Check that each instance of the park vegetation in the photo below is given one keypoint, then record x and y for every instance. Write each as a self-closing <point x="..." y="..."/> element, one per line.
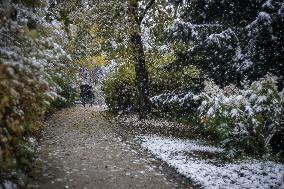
<point x="219" y="71"/>
<point x="215" y="65"/>
<point x="35" y="78"/>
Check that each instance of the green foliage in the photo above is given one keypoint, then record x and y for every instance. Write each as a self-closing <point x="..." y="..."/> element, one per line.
<point x="244" y="120"/>
<point x="178" y="80"/>
<point x="67" y="95"/>
<point x="120" y="86"/>
<point x="120" y="89"/>
<point x="244" y="41"/>
<point x="168" y="84"/>
<point x="29" y="81"/>
<point x="20" y="113"/>
<point x="162" y="80"/>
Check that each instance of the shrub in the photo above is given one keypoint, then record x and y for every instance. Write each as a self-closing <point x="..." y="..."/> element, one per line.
<point x="243" y="119"/>
<point x="174" y="104"/>
<point x="167" y="81"/>
<point x="120" y="89"/>
<point x="29" y="62"/>
<point x="66" y="95"/>
<point x="172" y="90"/>
<point x="120" y="86"/>
<point x="22" y="106"/>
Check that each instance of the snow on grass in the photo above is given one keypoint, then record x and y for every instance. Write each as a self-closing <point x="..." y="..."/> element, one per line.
<point x="181" y="145"/>
<point x="134" y="121"/>
<point x="242" y="174"/>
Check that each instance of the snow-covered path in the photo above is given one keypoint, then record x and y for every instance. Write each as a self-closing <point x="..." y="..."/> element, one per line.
<point x="80" y="149"/>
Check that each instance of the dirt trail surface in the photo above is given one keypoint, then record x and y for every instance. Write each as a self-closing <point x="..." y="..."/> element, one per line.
<point x="80" y="149"/>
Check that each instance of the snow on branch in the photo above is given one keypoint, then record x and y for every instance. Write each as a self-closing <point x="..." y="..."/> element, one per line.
<point x="148" y="6"/>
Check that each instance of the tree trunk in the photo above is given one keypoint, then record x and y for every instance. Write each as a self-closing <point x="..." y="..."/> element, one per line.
<point x="141" y="75"/>
<point x="142" y="78"/>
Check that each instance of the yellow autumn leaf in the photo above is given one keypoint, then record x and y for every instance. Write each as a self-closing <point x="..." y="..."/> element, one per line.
<point x="100" y="60"/>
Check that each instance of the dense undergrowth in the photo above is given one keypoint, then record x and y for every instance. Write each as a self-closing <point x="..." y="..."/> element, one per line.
<point x="218" y="71"/>
<point x="120" y="86"/>
<point x="246" y="121"/>
<point x="35" y="78"/>
<point x="223" y="77"/>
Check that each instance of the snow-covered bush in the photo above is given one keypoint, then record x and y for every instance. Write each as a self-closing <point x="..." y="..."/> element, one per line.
<point x="166" y="86"/>
<point x="31" y="62"/>
<point x="245" y="119"/>
<point x="171" y="90"/>
<point x="244" y="40"/>
<point x="180" y="106"/>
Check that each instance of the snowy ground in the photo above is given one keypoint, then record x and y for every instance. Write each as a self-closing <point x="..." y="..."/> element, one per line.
<point x="184" y="155"/>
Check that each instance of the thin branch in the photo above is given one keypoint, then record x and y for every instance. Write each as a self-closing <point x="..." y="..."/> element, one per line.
<point x="5" y="35"/>
<point x="10" y="38"/>
<point x="133" y="9"/>
<point x="149" y="5"/>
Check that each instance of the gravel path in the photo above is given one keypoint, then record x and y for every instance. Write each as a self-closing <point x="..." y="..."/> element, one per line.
<point x="80" y="149"/>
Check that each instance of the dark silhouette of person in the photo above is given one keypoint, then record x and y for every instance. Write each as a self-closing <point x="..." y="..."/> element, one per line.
<point x="86" y="94"/>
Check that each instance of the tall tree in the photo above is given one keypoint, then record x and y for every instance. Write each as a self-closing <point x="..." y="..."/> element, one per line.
<point x="138" y="54"/>
<point x="121" y="30"/>
<point x="244" y="39"/>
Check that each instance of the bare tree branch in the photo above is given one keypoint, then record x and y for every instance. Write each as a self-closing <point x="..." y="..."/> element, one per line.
<point x="148" y="6"/>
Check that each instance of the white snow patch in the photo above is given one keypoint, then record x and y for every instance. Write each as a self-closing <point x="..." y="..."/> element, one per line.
<point x="9" y="185"/>
<point x="242" y="174"/>
<point x="33" y="141"/>
<point x="268" y="4"/>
